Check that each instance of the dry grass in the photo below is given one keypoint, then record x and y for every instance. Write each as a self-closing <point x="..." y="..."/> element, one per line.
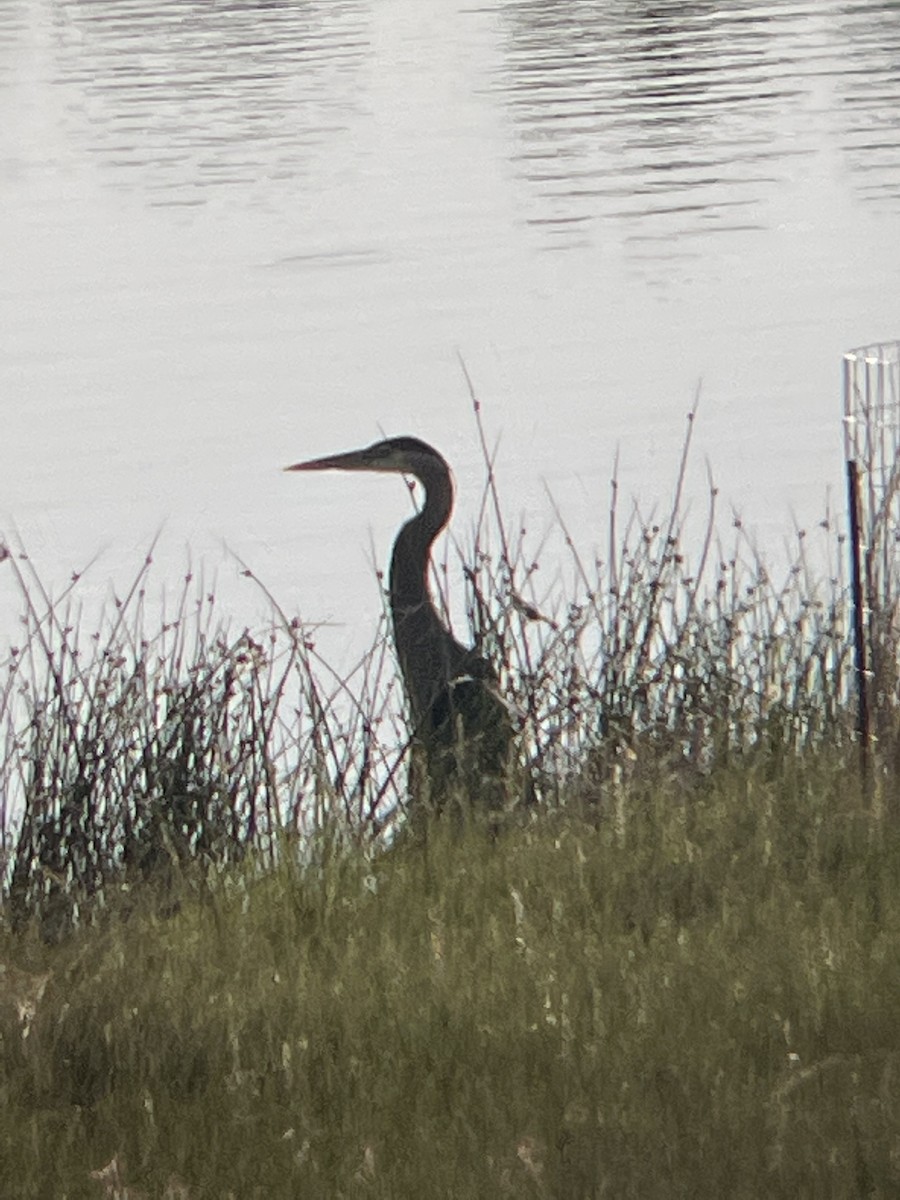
<point x="696" y="999"/>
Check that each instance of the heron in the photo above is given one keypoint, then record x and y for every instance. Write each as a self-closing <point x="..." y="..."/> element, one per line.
<point x="462" y="730"/>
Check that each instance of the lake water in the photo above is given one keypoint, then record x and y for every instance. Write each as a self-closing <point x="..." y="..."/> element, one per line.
<point x="238" y="234"/>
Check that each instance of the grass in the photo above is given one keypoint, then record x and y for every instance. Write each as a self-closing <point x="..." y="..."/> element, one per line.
<point x="700" y="1000"/>
<point x="228" y="969"/>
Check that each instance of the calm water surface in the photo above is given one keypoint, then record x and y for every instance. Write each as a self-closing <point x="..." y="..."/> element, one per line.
<point x="238" y="234"/>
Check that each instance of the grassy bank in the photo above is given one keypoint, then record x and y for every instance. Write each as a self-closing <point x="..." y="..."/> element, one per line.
<point x="695" y="997"/>
<point x="228" y="969"/>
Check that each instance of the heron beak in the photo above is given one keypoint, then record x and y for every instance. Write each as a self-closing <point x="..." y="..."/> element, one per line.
<point x="371" y="459"/>
<point x="353" y="461"/>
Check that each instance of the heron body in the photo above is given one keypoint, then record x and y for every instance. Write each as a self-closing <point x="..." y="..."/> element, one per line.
<point x="461" y="727"/>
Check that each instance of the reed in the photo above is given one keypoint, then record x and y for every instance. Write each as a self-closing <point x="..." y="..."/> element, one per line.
<point x="129" y="753"/>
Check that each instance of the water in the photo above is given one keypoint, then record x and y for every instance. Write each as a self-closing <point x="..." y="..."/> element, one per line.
<point x="235" y="235"/>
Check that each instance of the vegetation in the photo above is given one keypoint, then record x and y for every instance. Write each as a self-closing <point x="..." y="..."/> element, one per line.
<point x="227" y="969"/>
<point x="700" y="1000"/>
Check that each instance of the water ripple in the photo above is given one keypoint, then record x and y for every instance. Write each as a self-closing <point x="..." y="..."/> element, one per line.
<point x="204" y="95"/>
<point x="694" y="99"/>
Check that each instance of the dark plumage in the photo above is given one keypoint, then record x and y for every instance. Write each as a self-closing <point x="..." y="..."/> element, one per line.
<point x="461" y="726"/>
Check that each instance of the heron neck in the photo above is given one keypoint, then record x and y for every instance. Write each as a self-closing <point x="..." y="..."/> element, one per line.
<point x="409" y="561"/>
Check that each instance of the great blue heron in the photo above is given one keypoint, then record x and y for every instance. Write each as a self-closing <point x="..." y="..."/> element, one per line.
<point x="459" y="721"/>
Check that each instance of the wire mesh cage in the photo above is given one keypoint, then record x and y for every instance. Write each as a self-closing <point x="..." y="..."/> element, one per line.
<point x="872" y="454"/>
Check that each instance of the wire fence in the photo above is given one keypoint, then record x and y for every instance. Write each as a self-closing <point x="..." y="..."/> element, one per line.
<point x="872" y="455"/>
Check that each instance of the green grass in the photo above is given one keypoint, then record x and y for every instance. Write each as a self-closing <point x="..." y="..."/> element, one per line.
<point x="691" y="991"/>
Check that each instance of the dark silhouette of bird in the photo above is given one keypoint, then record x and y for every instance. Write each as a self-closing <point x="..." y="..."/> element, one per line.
<point x="462" y="731"/>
